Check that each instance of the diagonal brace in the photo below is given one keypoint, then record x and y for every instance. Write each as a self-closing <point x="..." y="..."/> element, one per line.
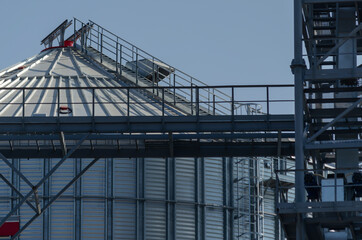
<point x="37" y="203"/>
<point x="339" y="117"/>
<point x="44" y="179"/>
<point x="56" y="197"/>
<point x="16" y="191"/>
<point x="16" y="170"/>
<point x="350" y="35"/>
<point x="63" y="144"/>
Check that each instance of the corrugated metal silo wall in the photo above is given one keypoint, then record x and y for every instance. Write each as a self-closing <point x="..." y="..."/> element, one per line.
<point x="152" y="198"/>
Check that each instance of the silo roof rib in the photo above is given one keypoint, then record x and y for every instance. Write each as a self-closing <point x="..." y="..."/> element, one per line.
<point x="76" y="65"/>
<point x="51" y="67"/>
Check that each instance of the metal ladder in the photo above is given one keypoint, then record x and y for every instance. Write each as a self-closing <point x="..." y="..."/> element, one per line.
<point x="249" y="199"/>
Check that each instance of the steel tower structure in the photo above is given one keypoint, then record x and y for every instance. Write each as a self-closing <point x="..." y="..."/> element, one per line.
<point x="327" y="122"/>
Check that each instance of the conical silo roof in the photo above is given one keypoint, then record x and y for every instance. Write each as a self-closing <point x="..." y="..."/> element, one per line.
<point x="81" y="79"/>
<point x="73" y="75"/>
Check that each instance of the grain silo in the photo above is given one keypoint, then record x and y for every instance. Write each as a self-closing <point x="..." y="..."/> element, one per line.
<point x="101" y="140"/>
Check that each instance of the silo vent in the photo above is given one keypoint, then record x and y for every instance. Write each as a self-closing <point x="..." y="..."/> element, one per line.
<point x="65" y="110"/>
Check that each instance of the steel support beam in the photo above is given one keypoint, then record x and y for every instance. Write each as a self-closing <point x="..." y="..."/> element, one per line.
<point x="307" y="207"/>
<point x="63" y="144"/>
<point x="109" y="192"/>
<point x="145" y="124"/>
<point x="42" y="181"/>
<point x="171" y="198"/>
<point x="298" y="67"/>
<point x="336" y="144"/>
<point x="340" y="43"/>
<point x="161" y="149"/>
<point x="55" y="197"/>
<point x="21" y="175"/>
<point x="156" y="136"/>
<point x="339" y="117"/>
<point x="331" y="75"/>
<point x="78" y="202"/>
<point x="17" y="192"/>
<point x="140" y="203"/>
<point x="46" y="195"/>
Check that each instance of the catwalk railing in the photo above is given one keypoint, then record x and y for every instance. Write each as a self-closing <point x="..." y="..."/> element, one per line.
<point x="323" y="187"/>
<point x="58" y="101"/>
<point x="121" y="56"/>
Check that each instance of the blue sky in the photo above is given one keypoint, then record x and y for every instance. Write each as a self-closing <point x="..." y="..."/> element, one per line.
<point x="219" y="42"/>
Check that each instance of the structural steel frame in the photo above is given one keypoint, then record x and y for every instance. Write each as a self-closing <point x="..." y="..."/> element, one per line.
<point x="316" y="128"/>
<point x="205" y="130"/>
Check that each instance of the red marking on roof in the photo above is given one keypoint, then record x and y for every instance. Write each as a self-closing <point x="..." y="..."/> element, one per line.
<point x="66" y="44"/>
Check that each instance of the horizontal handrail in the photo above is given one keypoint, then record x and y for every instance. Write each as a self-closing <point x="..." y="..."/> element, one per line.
<point x="134" y="51"/>
<point x="124" y="98"/>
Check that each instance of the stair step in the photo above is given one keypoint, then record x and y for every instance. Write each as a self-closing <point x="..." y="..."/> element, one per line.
<point x="328" y="63"/>
<point x="325" y="45"/>
<point x="324" y="36"/>
<point x="332" y="100"/>
<point x="324" y="10"/>
<point x="324" y="27"/>
<point x="334" y="112"/>
<point x="324" y="19"/>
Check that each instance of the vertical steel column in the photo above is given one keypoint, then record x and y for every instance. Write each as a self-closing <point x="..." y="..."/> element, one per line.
<point x="170" y="193"/>
<point x="226" y="198"/>
<point x="203" y="198"/>
<point x="78" y="203"/>
<point x="231" y="196"/>
<point x="109" y="192"/>
<point x="15" y="181"/>
<point x="140" y="191"/>
<point x="200" y="199"/>
<point x="46" y="195"/>
<point x="298" y="70"/>
<point x="197" y="199"/>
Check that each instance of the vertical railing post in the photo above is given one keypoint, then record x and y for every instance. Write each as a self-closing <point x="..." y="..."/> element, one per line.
<point x="267" y="101"/>
<point x="213" y="102"/>
<point x="93" y="103"/>
<point x="117" y="57"/>
<point x="98" y="39"/>
<point x="120" y="59"/>
<point x="192" y="100"/>
<point x="232" y="101"/>
<point x="174" y="89"/>
<point x="101" y="50"/>
<point x="58" y="103"/>
<point x="127" y="102"/>
<point x="136" y="66"/>
<point x="197" y="101"/>
<point x="153" y="75"/>
<point x="163" y="101"/>
<point x="208" y="100"/>
<point x="23" y="102"/>
<point x="75" y="30"/>
<point x="157" y="78"/>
